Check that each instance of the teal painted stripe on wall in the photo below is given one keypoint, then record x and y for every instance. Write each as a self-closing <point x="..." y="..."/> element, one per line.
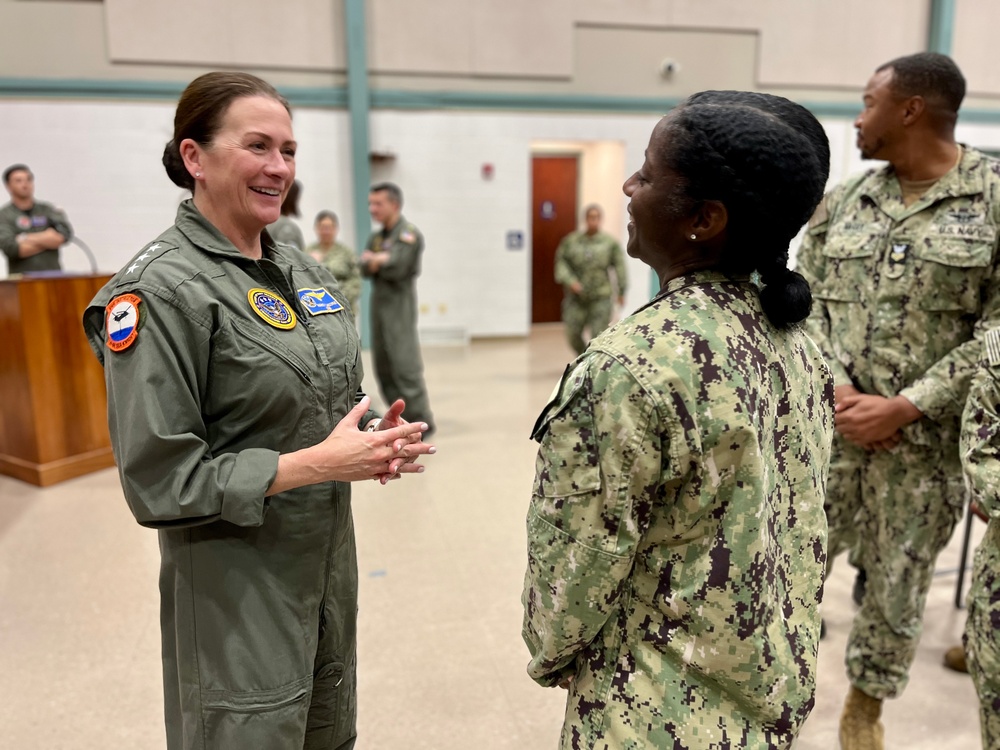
<point x="72" y="88"/>
<point x="941" y="29"/>
<point x="336" y="98"/>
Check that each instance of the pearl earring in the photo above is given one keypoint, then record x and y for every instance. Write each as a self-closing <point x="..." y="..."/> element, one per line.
<point x="694" y="236"/>
<point x="198" y="174"/>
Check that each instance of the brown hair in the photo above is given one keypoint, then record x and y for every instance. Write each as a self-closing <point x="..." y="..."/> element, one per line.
<point x="200" y="111"/>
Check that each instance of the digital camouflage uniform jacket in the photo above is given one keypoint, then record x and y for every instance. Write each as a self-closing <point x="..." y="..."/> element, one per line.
<point x="342" y="262"/>
<point x="676" y="530"/>
<point x="587" y="259"/>
<point x="901" y="292"/>
<point x="981" y="460"/>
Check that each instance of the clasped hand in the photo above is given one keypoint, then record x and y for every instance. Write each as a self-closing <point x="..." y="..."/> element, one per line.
<point x="870" y="421"/>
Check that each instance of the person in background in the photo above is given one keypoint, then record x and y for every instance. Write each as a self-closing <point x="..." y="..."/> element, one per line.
<point x="238" y="421"/>
<point x="903" y="264"/>
<point x="285" y="230"/>
<point x="338" y="258"/>
<point x="676" y="529"/>
<point x="391" y="259"/>
<point x="31" y="232"/>
<point x="583" y="265"/>
<point x="980" y="450"/>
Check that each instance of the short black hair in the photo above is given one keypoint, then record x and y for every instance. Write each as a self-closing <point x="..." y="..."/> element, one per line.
<point x="395" y="194"/>
<point x="14" y="168"/>
<point x="324" y="214"/>
<point x="766" y="159"/>
<point x="931" y="75"/>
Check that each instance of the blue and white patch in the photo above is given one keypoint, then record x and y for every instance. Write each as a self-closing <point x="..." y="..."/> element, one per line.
<point x="319" y="301"/>
<point x="39" y="221"/>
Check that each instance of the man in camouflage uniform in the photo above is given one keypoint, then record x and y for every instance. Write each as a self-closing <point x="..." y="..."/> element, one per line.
<point x="981" y="459"/>
<point x="675" y="539"/>
<point x="391" y="259"/>
<point x="31" y="232"/>
<point x="902" y="261"/>
<point x="583" y="262"/>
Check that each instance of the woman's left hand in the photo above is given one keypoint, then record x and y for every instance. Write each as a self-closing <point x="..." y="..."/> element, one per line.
<point x="394" y="418"/>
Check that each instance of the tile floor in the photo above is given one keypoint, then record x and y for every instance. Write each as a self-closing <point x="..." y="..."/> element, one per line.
<point x="441" y="559"/>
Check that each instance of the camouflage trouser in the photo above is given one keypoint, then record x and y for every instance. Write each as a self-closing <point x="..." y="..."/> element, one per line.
<point x="982" y="642"/>
<point x="911" y="499"/>
<point x="579" y="314"/>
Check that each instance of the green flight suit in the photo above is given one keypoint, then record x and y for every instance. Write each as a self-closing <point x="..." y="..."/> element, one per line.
<point x="41" y="216"/>
<point x="588" y="259"/>
<point x="395" y="344"/>
<point x="258" y="595"/>
<point x="676" y="529"/>
<point x="287" y="232"/>
<point x="342" y="262"/>
<point x="980" y="448"/>
<point x="902" y="296"/>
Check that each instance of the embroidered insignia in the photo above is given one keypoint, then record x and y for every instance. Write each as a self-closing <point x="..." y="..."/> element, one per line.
<point x="137" y="261"/>
<point x="319" y="301"/>
<point x="897" y="260"/>
<point x="408" y="236"/>
<point x="39" y="221"/>
<point x="24" y="222"/>
<point x="271" y="308"/>
<point x="992" y="346"/>
<point x="121" y="322"/>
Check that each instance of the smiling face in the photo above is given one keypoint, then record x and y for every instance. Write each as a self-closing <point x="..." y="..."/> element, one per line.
<point x="246" y="170"/>
<point x="881" y="118"/>
<point x="657" y="203"/>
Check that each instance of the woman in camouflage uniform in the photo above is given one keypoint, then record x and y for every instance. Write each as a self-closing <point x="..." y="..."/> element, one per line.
<point x="676" y="530"/>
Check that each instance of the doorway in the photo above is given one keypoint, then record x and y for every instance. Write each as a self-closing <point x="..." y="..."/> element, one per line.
<point x="553" y="216"/>
<point x="565" y="177"/>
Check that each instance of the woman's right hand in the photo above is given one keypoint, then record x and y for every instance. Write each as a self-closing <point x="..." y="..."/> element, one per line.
<point x="349" y="454"/>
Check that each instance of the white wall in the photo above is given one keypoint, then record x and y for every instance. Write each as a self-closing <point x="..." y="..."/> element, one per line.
<point x="101" y="162"/>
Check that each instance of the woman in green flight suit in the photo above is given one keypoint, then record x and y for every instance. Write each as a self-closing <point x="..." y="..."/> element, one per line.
<point x="237" y="420"/>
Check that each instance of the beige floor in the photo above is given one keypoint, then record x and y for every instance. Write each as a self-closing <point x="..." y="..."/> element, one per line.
<point x="441" y="560"/>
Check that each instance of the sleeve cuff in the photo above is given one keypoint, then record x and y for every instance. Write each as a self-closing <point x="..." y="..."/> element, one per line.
<point x="930" y="401"/>
<point x="243" y="501"/>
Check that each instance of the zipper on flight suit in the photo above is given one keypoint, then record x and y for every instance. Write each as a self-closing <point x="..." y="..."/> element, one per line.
<point x="293" y="298"/>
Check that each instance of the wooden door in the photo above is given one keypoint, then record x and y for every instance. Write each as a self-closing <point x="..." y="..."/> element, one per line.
<point x="553" y="216"/>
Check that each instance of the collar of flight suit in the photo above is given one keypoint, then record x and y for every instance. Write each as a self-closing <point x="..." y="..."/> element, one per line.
<point x="204" y="235"/>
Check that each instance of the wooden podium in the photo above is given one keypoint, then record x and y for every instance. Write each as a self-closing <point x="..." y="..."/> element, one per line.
<point x="53" y="405"/>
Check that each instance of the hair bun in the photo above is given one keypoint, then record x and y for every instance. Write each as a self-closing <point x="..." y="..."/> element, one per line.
<point x="174" y="165"/>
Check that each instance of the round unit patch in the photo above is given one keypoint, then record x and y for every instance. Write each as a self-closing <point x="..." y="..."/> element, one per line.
<point x="121" y="322"/>
<point x="271" y="308"/>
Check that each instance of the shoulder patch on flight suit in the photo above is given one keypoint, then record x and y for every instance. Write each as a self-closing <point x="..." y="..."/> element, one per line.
<point x="991" y="346"/>
<point x="121" y="322"/>
<point x="408" y="235"/>
<point x="272" y="308"/>
<point x="319" y="301"/>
